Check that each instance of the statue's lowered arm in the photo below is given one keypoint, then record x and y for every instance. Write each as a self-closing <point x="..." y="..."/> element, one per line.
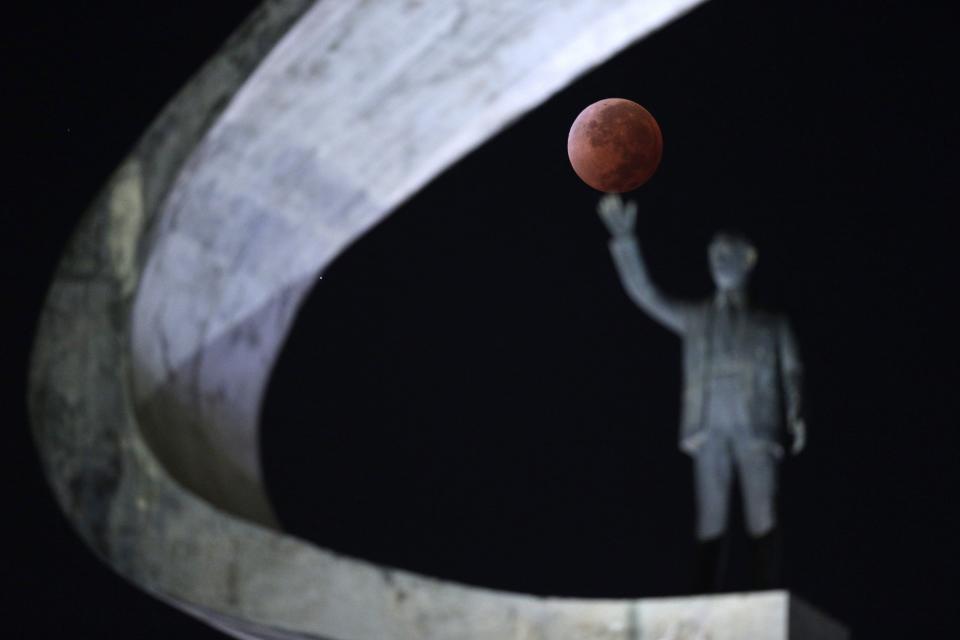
<point x="791" y="374"/>
<point x="620" y="218"/>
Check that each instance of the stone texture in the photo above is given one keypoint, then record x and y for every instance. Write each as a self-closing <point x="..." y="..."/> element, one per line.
<point x="178" y="287"/>
<point x="769" y="615"/>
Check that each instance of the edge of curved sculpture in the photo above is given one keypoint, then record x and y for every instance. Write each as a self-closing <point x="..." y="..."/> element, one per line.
<point x="216" y="557"/>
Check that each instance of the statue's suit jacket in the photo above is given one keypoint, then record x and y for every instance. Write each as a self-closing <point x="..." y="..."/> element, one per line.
<point x="766" y="351"/>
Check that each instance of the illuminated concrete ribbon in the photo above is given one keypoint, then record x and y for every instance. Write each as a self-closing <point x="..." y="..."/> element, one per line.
<point x="176" y="292"/>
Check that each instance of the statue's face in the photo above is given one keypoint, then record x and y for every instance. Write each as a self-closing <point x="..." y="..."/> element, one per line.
<point x="731" y="261"/>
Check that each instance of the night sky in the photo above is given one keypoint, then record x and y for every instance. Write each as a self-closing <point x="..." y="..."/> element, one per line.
<point x="468" y="392"/>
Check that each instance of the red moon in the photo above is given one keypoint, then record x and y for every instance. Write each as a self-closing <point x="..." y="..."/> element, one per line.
<point x="615" y="145"/>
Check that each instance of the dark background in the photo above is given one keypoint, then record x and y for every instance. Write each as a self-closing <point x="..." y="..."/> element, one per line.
<point x="468" y="393"/>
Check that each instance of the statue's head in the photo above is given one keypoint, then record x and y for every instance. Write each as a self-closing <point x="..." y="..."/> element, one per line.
<point x="732" y="258"/>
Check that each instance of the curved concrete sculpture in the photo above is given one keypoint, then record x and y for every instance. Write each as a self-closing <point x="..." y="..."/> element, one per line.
<point x="174" y="296"/>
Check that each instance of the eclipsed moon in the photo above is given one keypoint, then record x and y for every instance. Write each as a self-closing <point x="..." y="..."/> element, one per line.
<point x="615" y="145"/>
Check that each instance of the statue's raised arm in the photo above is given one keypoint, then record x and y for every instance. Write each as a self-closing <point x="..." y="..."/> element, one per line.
<point x="620" y="217"/>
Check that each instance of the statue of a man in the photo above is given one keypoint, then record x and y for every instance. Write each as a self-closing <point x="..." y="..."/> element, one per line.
<point x="741" y="389"/>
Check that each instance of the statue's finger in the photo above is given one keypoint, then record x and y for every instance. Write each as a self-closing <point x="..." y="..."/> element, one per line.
<point x="604" y="206"/>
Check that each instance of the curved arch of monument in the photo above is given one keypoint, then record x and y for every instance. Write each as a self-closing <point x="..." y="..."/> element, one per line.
<point x="313" y="123"/>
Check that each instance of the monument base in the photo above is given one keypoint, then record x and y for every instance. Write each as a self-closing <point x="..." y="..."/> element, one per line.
<point x="764" y="615"/>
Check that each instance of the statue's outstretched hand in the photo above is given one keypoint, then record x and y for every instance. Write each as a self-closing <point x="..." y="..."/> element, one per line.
<point x="617" y="215"/>
<point x="798" y="429"/>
